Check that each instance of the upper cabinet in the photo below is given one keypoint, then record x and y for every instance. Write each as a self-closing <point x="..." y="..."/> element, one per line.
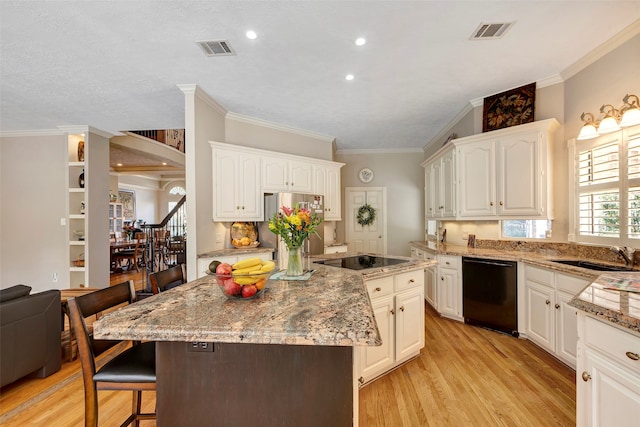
<point x="326" y="181"/>
<point x="506" y="173"/>
<point x="280" y="174"/>
<point x="500" y="174"/>
<point x="242" y="175"/>
<point x="440" y="185"/>
<point x="236" y="186"/>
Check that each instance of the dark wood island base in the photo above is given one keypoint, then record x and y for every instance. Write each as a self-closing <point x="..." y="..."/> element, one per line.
<point x="254" y="384"/>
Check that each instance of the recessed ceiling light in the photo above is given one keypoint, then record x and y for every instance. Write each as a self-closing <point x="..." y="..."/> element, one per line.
<point x="252" y="35"/>
<point x="164" y="163"/>
<point x="349" y="77"/>
<point x="119" y="164"/>
<point x="360" y="41"/>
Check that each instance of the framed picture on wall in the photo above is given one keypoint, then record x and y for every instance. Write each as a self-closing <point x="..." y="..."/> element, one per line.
<point x="511" y="108"/>
<point x="128" y="200"/>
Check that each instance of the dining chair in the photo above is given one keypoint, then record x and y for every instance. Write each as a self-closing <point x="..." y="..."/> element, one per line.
<point x="167" y="279"/>
<point x="132" y="369"/>
<point x="133" y="256"/>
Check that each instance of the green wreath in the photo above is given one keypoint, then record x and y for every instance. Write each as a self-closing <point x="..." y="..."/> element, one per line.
<point x="366" y="215"/>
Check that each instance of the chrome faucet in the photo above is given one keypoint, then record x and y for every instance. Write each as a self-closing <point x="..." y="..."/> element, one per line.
<point x="623" y="253"/>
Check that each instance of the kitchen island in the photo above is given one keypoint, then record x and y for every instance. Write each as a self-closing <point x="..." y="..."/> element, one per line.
<point x="285" y="358"/>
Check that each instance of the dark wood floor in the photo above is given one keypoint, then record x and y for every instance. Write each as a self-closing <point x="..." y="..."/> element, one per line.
<point x="465" y="376"/>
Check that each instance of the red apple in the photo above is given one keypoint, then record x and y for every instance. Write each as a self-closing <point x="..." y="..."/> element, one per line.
<point x="231" y="287"/>
<point x="224" y="268"/>
<point x="249" y="291"/>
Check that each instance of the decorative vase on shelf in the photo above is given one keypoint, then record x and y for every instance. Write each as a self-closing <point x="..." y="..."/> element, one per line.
<point x="294" y="264"/>
<point x="81" y="151"/>
<point x="81" y="179"/>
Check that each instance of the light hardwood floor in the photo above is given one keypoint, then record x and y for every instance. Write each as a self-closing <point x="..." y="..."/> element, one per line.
<point x="465" y="376"/>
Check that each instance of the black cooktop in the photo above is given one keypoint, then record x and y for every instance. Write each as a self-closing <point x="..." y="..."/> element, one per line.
<point x="361" y="262"/>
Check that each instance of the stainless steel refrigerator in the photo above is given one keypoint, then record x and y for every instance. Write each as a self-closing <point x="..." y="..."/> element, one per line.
<point x="314" y="245"/>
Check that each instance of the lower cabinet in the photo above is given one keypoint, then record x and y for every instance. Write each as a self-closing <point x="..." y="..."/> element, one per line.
<point x="449" y="286"/>
<point x="398" y="305"/>
<point x="607" y="375"/>
<point x="203" y="263"/>
<point x="430" y="275"/>
<point x="550" y="321"/>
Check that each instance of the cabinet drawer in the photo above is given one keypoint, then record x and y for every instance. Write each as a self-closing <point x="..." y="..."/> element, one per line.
<point x="539" y="275"/>
<point x="613" y="342"/>
<point x="409" y="280"/>
<point x="448" y="261"/>
<point x="570" y="284"/>
<point x="380" y="287"/>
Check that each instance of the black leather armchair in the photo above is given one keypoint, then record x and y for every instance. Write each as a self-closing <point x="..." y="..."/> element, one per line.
<point x="30" y="328"/>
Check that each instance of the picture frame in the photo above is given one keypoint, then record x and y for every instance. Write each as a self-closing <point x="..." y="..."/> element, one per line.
<point x="511" y="108"/>
<point x="128" y="200"/>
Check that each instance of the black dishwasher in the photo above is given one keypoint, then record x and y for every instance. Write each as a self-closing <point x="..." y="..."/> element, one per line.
<point x="490" y="294"/>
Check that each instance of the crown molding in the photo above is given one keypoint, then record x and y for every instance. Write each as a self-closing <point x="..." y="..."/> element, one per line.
<point x="193" y="89"/>
<point x="600" y="51"/>
<point x="447" y="129"/>
<point x="380" y="151"/>
<point x="284" y="128"/>
<point x="26" y="133"/>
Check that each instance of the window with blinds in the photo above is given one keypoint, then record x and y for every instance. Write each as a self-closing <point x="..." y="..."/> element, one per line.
<point x="608" y="186"/>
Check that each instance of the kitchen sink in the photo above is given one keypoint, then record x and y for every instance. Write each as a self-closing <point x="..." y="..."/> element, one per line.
<point x="592" y="265"/>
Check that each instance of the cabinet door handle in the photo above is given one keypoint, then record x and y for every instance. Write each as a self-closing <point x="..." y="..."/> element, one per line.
<point x="557" y="306"/>
<point x="237" y="207"/>
<point x="547" y="302"/>
<point x="632" y="356"/>
<point x="402" y="308"/>
<point x="501" y="204"/>
<point x="378" y="289"/>
<point x="585" y="377"/>
<point x="490" y="203"/>
<point x="411" y="281"/>
<point x="442" y="278"/>
<point x="447" y="262"/>
<point x="292" y="184"/>
<point x="392" y="312"/>
<point x="286" y="183"/>
<point x="361" y="380"/>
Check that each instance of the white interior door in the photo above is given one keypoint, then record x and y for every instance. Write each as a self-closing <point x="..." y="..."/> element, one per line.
<point x="369" y="238"/>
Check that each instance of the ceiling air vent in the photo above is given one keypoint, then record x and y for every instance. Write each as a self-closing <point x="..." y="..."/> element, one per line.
<point x="491" y="31"/>
<point x="216" y="48"/>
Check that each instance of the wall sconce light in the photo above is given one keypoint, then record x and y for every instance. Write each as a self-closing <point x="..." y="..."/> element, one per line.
<point x="589" y="130"/>
<point x="627" y="115"/>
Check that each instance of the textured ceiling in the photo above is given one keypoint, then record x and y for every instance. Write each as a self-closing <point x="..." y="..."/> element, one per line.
<point x="115" y="65"/>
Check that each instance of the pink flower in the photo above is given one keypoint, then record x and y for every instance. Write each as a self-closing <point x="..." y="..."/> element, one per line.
<point x="287" y="211"/>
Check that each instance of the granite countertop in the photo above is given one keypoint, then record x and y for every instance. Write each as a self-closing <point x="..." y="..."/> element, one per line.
<point x="332" y="308"/>
<point x="234" y="251"/>
<point x="617" y="306"/>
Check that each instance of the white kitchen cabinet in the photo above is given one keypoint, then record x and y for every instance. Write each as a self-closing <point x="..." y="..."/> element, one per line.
<point x="506" y="173"/>
<point x="398" y="304"/>
<point x="440" y="194"/>
<point x="203" y="262"/>
<point x="430" y="275"/>
<point x="607" y="375"/>
<point x="335" y="249"/>
<point x="282" y="174"/>
<point x="326" y="181"/>
<point x="449" y="286"/>
<point x="236" y="186"/>
<point x="550" y="321"/>
<point x="477" y="179"/>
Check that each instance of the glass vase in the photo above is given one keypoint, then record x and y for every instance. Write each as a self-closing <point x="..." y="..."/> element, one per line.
<point x="294" y="265"/>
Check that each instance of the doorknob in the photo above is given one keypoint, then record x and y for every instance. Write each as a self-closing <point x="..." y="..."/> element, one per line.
<point x="379" y="237"/>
